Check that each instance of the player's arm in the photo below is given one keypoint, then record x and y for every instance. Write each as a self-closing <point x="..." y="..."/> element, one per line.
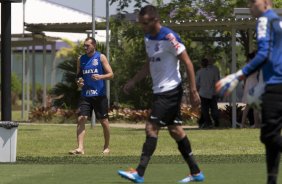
<point x="79" y="79"/>
<point x="141" y="74"/>
<point x="107" y="68"/>
<point x="194" y="96"/>
<point x="226" y="85"/>
<point x="144" y="72"/>
<point x="78" y="70"/>
<point x="263" y="40"/>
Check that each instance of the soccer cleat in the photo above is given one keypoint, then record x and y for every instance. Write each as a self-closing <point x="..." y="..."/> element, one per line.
<point x="131" y="175"/>
<point x="193" y="178"/>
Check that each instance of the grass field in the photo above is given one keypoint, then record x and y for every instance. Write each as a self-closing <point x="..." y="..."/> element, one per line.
<point x="240" y="173"/>
<point x="227" y="156"/>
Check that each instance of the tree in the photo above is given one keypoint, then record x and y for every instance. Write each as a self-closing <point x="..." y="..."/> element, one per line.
<point x="128" y="56"/>
<point x="122" y="4"/>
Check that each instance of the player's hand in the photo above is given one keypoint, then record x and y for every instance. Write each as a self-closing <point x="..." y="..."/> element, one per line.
<point x="80" y="82"/>
<point x="96" y="77"/>
<point x="195" y="99"/>
<point x="128" y="86"/>
<point x="226" y="85"/>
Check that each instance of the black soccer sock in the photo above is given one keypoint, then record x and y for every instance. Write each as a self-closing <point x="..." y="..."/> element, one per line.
<point x="272" y="160"/>
<point x="184" y="147"/>
<point x="147" y="151"/>
<point x="278" y="142"/>
<point x="272" y="179"/>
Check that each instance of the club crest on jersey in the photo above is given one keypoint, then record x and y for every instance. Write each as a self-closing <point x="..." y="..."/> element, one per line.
<point x="157" y="47"/>
<point x="95" y="62"/>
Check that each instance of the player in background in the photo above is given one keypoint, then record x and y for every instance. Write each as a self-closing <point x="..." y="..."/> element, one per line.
<point x="92" y="70"/>
<point x="164" y="50"/>
<point x="269" y="60"/>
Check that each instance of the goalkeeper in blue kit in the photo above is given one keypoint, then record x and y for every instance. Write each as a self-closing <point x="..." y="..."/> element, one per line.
<point x="269" y="60"/>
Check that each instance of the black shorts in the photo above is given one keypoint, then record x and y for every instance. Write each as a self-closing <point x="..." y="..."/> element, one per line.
<point x="97" y="103"/>
<point x="271" y="114"/>
<point x="166" y="107"/>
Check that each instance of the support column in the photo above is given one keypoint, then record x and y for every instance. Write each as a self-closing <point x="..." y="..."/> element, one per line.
<point x="233" y="70"/>
<point x="6" y="100"/>
<point x="23" y="84"/>
<point x="107" y="44"/>
<point x="93" y="119"/>
<point x="44" y="74"/>
<point x="54" y="64"/>
<point x="33" y="91"/>
<point x="27" y="81"/>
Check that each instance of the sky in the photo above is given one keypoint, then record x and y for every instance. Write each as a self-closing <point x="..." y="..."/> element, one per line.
<point x="100" y="6"/>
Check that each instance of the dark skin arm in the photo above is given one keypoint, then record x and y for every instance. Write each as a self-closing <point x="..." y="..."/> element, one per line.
<point x="80" y="81"/>
<point x="141" y="74"/>
<point x="194" y="96"/>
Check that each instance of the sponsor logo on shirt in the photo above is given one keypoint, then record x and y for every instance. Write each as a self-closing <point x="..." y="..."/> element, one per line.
<point x="92" y="92"/>
<point x="153" y="59"/>
<point x="262" y="27"/>
<point x="90" y="71"/>
<point x="173" y="40"/>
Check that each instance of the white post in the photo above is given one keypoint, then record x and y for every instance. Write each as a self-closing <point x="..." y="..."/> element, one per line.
<point x="54" y="64"/>
<point x="44" y="74"/>
<point x="233" y="70"/>
<point x="23" y="83"/>
<point x="107" y="44"/>
<point x="93" y="119"/>
<point x="93" y="18"/>
<point x="27" y="82"/>
<point x="33" y="90"/>
<point x="23" y="66"/>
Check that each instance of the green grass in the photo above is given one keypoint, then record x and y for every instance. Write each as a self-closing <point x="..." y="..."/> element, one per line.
<point x="229" y="156"/>
<point x="241" y="173"/>
<point x="57" y="140"/>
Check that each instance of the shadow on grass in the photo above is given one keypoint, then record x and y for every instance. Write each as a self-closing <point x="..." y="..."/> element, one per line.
<point x="167" y="159"/>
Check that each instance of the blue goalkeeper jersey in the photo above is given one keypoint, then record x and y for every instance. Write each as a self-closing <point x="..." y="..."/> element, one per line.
<point x="90" y="66"/>
<point x="269" y="54"/>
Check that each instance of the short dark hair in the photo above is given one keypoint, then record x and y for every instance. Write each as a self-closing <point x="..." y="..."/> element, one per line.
<point x="92" y="40"/>
<point x="149" y="10"/>
<point x="204" y="62"/>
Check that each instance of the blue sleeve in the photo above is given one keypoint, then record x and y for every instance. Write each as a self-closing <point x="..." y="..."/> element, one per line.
<point x="263" y="41"/>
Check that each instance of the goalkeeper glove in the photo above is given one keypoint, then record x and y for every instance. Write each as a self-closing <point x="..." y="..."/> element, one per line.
<point x="226" y="85"/>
